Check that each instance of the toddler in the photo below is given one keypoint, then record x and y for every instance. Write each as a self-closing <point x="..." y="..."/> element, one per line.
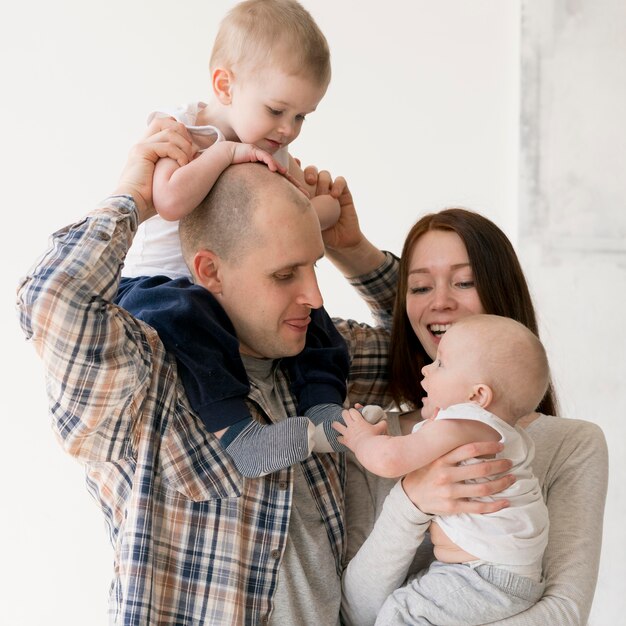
<point x="270" y="67"/>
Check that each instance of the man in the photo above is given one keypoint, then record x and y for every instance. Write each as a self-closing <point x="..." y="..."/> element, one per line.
<point x="195" y="542"/>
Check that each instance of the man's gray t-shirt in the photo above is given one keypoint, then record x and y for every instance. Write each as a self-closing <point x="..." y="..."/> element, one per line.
<point x="309" y="589"/>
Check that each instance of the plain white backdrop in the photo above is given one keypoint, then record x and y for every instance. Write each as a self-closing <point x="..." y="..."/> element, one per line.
<point x="422" y="113"/>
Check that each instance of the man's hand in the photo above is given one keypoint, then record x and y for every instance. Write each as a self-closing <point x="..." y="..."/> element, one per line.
<point x="322" y="183"/>
<point x="440" y="488"/>
<point x="165" y="137"/>
<point x="345" y="233"/>
<point x="346" y="246"/>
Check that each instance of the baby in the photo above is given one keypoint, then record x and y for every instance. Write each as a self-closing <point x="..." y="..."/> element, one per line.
<point x="490" y="371"/>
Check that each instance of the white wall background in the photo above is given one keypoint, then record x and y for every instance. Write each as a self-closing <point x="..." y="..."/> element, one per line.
<point x="572" y="219"/>
<point x="434" y="83"/>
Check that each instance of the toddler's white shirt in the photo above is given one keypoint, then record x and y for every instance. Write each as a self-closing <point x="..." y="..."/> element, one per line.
<point x="156" y="246"/>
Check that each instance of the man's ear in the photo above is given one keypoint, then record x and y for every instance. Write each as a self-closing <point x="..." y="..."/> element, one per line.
<point x="206" y="265"/>
<point x="482" y="394"/>
<point x="222" y="81"/>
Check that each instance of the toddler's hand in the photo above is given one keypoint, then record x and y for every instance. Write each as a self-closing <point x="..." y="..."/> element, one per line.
<point x="248" y="153"/>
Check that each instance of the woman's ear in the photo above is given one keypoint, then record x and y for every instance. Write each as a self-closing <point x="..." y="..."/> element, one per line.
<point x="206" y="265"/>
<point x="482" y="394"/>
<point x="222" y="81"/>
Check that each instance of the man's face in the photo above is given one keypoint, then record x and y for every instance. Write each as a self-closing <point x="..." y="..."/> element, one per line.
<point x="268" y="292"/>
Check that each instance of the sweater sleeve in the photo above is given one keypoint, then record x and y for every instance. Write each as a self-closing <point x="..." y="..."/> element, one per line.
<point x="388" y="551"/>
<point x="575" y="485"/>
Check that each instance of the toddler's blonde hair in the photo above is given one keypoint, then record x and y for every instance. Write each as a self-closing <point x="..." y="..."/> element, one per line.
<point x="261" y="33"/>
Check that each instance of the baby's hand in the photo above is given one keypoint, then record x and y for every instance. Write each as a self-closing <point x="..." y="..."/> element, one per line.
<point x="357" y="429"/>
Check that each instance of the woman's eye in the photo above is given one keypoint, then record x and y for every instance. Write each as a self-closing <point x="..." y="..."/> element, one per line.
<point x="417" y="290"/>
<point x="466" y="284"/>
<point x="275" y="112"/>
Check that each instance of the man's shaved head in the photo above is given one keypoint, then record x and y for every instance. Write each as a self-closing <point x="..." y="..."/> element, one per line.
<point x="224" y="222"/>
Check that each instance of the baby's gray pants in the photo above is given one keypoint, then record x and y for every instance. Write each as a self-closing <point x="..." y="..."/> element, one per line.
<point x="451" y="594"/>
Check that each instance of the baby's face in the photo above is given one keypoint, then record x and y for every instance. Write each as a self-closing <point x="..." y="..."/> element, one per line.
<point x="268" y="110"/>
<point x="449" y="379"/>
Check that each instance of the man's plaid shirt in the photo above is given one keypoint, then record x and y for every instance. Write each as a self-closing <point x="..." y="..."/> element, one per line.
<point x="194" y="542"/>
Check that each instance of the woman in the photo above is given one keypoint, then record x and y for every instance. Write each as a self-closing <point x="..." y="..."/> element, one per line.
<point x="457" y="263"/>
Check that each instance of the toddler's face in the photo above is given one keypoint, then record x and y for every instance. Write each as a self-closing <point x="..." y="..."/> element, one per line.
<point x="268" y="110"/>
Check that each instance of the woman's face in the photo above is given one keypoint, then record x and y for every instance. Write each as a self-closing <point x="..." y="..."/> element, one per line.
<point x="440" y="287"/>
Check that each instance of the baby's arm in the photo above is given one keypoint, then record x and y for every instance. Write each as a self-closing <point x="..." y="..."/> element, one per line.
<point x="392" y="457"/>
<point x="325" y="204"/>
<point x="179" y="190"/>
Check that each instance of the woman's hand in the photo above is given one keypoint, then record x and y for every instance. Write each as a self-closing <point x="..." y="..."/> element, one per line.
<point x="440" y="488"/>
